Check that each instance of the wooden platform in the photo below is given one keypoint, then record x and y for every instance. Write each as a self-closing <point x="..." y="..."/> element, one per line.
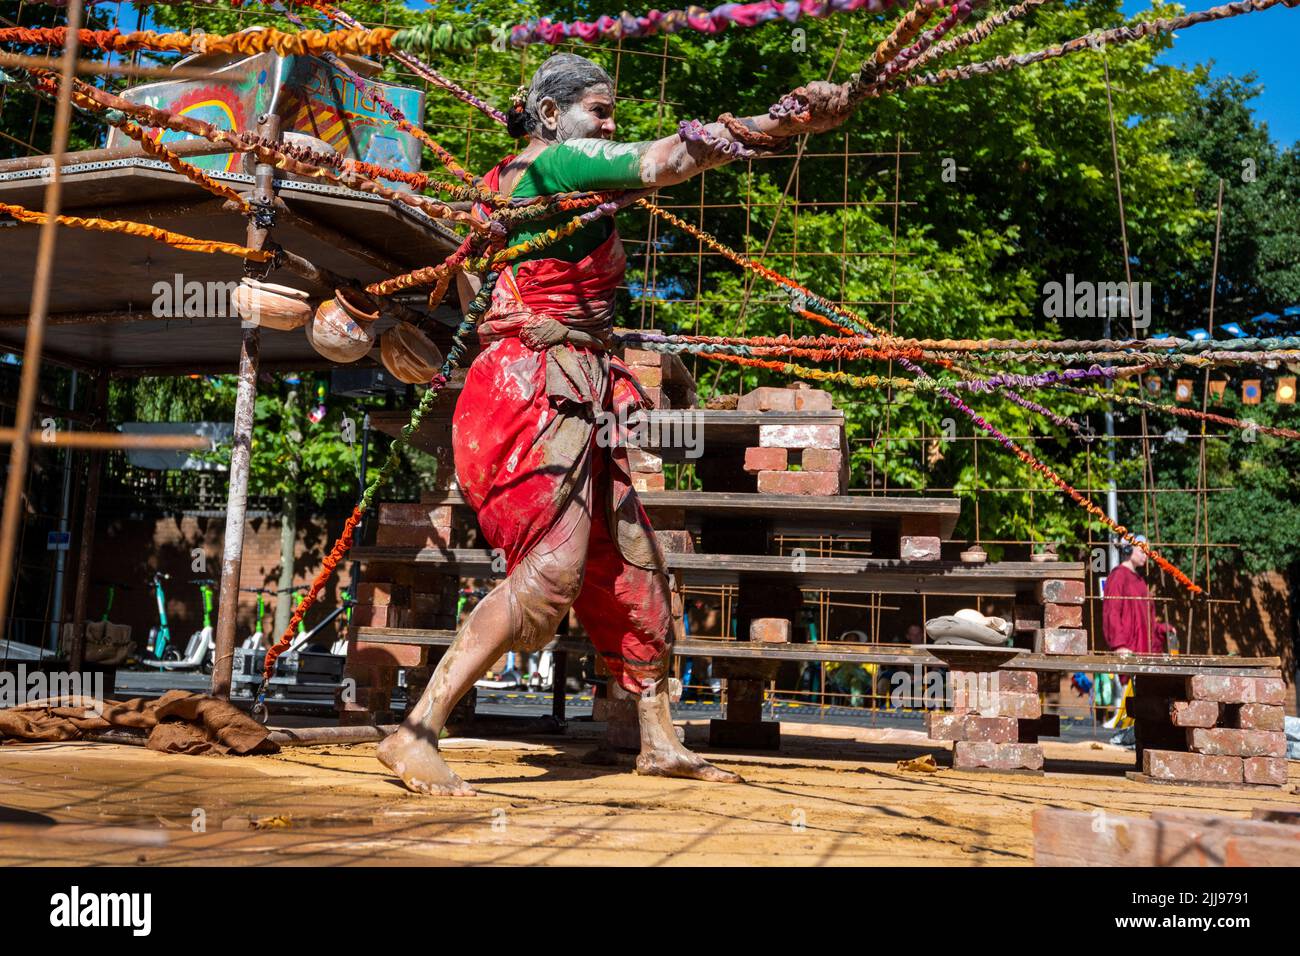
<point x="845" y="513"/>
<point x="850" y="575"/>
<point x="721" y="429"/>
<point x="102" y="294"/>
<point x="891" y="655"/>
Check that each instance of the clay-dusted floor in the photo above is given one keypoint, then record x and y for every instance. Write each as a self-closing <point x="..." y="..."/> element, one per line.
<point x="832" y="796"/>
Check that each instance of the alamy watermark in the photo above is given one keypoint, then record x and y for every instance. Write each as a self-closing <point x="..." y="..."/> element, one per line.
<point x="675" y="428"/>
<point x="18" y="687"/>
<point x="1083" y="299"/>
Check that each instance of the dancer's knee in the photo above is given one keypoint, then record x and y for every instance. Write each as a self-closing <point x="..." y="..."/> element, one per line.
<point x="543" y="591"/>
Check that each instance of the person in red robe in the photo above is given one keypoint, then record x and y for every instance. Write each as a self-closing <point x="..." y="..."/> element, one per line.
<point x="1128" y="613"/>
<point x="553" y="494"/>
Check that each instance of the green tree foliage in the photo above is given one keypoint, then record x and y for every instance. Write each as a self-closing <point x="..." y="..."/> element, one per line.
<point x="1005" y="183"/>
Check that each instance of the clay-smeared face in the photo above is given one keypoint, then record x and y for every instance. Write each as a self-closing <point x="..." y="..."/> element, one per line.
<point x="592" y="117"/>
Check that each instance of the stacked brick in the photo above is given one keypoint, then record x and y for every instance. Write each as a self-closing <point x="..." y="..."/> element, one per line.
<point x="669" y="384"/>
<point x="663" y="377"/>
<point x="399" y="594"/>
<point x="1210" y="729"/>
<point x="995" y="721"/>
<point x="796" y="459"/>
<point x="1061" y="615"/>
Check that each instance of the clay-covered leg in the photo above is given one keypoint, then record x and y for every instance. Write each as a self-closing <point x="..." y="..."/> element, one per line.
<point x="526" y="608"/>
<point x="662" y="754"/>
<point x="627" y="612"/>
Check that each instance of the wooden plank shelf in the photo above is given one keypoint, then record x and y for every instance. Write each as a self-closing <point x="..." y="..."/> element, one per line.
<point x="846" y="511"/>
<point x="906" y="655"/>
<point x="858" y="575"/>
<point x="715" y="428"/>
<point x="894" y="655"/>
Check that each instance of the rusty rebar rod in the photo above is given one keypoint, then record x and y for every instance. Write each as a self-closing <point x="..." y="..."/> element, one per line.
<point x="104" y="441"/>
<point x="16" y="481"/>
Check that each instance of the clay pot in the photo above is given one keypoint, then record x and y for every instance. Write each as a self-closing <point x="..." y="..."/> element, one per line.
<point x="336" y="335"/>
<point x="409" y="355"/>
<point x="271" y="306"/>
<point x="359" y="306"/>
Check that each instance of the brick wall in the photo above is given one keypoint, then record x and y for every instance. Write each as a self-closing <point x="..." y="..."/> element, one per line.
<point x="127" y="550"/>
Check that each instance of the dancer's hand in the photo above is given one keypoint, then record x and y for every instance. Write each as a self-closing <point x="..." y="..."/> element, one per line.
<point x="826" y="106"/>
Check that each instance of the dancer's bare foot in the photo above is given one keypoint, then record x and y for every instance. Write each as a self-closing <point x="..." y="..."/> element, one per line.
<point x="662" y="754"/>
<point x="414" y="757"/>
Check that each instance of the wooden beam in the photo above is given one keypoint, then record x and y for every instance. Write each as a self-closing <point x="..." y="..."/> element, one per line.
<point x="1099" y="838"/>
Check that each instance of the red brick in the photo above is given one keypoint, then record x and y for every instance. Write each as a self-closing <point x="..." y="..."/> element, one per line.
<point x="975" y="754"/>
<point x="1228" y="742"/>
<point x="972" y="689"/>
<point x="644" y="462"/>
<point x="812" y="400"/>
<point x="1193" y="768"/>
<point x="996" y="693"/>
<point x="675" y="371"/>
<point x="1011" y="704"/>
<point x="379" y="615"/>
<point x="393" y="655"/>
<point x="798" y="483"/>
<point x="383" y="593"/>
<point x="649" y="482"/>
<point x="1271" y="770"/>
<point x="1016" y="682"/>
<point x="649" y="375"/>
<point x="1062" y="615"/>
<point x="767" y="399"/>
<point x="1237" y="690"/>
<point x="1067" y="641"/>
<point x="821" y="459"/>
<point x="370" y="675"/>
<point x="407" y="536"/>
<point x="918" y="547"/>
<point x="655" y="394"/>
<point x="1060" y="592"/>
<point x="641" y="357"/>
<point x="1193" y="713"/>
<point x="1258" y="717"/>
<point x="415" y="515"/>
<point x="676" y="542"/>
<point x="1002" y="730"/>
<point x="766" y="459"/>
<point x="770" y="630"/>
<point x="939" y="726"/>
<point x="799" y="436"/>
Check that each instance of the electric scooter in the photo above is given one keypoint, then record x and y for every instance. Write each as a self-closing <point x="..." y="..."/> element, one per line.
<point x="160" y="635"/>
<point x="201" y="647"/>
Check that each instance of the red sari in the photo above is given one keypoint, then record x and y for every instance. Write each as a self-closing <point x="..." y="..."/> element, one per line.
<point x="525" y="435"/>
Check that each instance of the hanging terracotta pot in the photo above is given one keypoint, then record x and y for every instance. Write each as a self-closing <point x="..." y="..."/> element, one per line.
<point x="271" y="306"/>
<point x="409" y="355"/>
<point x="359" y="306"/>
<point x="336" y="335"/>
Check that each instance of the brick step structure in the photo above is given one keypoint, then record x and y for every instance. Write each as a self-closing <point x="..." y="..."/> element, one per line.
<point x="1208" y="728"/>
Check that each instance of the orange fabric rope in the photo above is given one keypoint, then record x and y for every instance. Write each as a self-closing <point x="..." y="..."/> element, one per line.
<point x="173" y="239"/>
<point x="330" y="562"/>
<point x="307" y="42"/>
<point x="188" y="170"/>
<point x="747" y="263"/>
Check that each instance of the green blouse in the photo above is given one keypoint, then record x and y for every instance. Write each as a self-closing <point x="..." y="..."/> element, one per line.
<point x="577" y="165"/>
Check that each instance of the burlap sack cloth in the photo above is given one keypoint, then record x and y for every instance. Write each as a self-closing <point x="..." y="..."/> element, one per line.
<point x="179" y="722"/>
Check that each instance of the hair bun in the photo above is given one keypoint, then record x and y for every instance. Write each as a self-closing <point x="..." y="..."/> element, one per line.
<point x="517" y="121"/>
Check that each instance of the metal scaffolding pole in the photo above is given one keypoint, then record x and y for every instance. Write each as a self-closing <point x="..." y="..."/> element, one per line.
<point x="263" y="198"/>
<point x="16" y="482"/>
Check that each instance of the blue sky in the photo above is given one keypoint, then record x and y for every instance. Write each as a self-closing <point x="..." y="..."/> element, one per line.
<point x="1263" y="42"/>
